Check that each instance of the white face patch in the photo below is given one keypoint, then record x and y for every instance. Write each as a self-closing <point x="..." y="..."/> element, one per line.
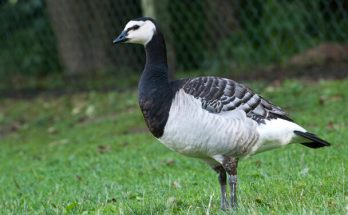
<point x="142" y="34"/>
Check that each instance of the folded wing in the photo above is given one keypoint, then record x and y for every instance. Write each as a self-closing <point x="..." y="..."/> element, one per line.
<point x="219" y="95"/>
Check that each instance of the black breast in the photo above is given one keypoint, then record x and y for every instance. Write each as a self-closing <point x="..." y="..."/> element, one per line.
<point x="155" y="105"/>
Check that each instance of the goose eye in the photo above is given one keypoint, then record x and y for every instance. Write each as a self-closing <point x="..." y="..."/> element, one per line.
<point x="135" y="27"/>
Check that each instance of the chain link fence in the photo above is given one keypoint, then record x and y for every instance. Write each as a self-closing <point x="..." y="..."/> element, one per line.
<point x="75" y="37"/>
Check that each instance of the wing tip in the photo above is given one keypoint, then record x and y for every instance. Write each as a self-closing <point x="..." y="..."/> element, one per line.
<point x="316" y="142"/>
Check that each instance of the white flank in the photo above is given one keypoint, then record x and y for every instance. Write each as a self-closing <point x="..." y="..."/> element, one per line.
<point x="195" y="132"/>
<point x="143" y="34"/>
<point x="275" y="133"/>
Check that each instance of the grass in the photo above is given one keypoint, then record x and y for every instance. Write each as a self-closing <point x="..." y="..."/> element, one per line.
<point x="90" y="153"/>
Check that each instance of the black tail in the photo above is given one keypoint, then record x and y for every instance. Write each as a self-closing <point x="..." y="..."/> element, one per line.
<point x="315" y="142"/>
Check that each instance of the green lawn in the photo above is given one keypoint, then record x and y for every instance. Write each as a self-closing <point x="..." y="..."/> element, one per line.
<point x="90" y="153"/>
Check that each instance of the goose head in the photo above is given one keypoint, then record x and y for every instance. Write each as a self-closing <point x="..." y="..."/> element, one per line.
<point x="139" y="31"/>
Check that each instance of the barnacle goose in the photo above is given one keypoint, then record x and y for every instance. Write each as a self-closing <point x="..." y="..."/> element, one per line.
<point x="215" y="119"/>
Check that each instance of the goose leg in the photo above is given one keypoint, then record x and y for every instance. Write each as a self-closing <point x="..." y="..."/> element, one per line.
<point x="222" y="180"/>
<point x="230" y="165"/>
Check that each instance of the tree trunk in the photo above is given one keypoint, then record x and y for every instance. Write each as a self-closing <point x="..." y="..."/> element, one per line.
<point x="85" y="29"/>
<point x="74" y="50"/>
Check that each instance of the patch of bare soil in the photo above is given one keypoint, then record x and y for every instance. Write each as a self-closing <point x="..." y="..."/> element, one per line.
<point x="325" y="61"/>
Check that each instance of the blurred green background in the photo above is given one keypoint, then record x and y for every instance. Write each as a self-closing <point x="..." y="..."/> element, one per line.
<point x="253" y="38"/>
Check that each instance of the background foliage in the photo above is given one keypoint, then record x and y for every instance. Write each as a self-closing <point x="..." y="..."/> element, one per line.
<point x="41" y="37"/>
<point x="28" y="45"/>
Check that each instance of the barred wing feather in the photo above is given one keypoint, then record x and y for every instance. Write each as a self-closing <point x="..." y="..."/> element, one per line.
<point x="219" y="95"/>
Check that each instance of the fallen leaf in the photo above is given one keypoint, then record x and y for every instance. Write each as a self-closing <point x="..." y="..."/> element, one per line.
<point x="52" y="130"/>
<point x="330" y="125"/>
<point x="336" y="98"/>
<point x="170" y="162"/>
<point x="76" y="110"/>
<point x="103" y="149"/>
<point x="59" y="142"/>
<point x="176" y="184"/>
<point x="305" y="171"/>
<point x="15" y="126"/>
<point x="171" y="201"/>
<point x="258" y="163"/>
<point x="90" y="111"/>
<point x="322" y="100"/>
<point x="270" y="89"/>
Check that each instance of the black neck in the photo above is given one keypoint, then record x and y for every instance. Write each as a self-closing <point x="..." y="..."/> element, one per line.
<point x="156" y="92"/>
<point x="156" y="59"/>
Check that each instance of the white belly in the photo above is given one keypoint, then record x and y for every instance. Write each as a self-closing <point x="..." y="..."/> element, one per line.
<point x="193" y="131"/>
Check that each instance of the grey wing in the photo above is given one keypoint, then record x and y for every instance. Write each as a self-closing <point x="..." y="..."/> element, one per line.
<point x="220" y="95"/>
